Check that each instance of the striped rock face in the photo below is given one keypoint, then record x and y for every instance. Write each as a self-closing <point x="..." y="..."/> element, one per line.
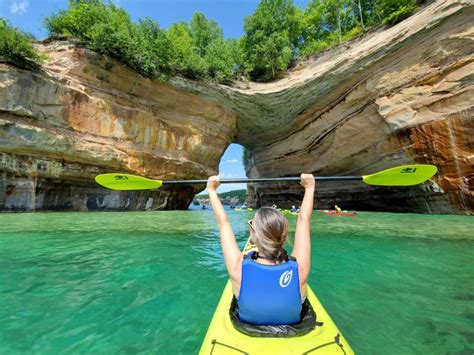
<point x="84" y="115"/>
<point x="396" y="96"/>
<point x="404" y="95"/>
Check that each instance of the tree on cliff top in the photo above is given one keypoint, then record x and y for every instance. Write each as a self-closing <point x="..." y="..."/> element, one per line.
<point x="326" y="23"/>
<point x="204" y="32"/>
<point x="274" y="35"/>
<point x="330" y="22"/>
<point x="201" y="52"/>
<point x="271" y="36"/>
<point x="394" y="11"/>
<point x="185" y="58"/>
<point x="197" y="51"/>
<point x="107" y="29"/>
<point x="16" y="47"/>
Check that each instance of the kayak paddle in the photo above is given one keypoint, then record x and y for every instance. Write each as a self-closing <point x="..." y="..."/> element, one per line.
<point x="406" y="175"/>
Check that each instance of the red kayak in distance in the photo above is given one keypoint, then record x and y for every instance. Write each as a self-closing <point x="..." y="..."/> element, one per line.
<point x="340" y="214"/>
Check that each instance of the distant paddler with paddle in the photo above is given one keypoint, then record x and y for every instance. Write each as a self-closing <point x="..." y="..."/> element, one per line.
<point x="263" y="295"/>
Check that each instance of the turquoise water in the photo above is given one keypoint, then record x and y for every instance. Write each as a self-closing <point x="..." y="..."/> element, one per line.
<point x="148" y="282"/>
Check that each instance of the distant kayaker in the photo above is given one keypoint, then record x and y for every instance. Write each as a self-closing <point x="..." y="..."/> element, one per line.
<point x="337" y="208"/>
<point x="293" y="208"/>
<point x="268" y="295"/>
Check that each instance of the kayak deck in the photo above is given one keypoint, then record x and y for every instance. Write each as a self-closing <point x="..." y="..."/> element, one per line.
<point x="223" y="338"/>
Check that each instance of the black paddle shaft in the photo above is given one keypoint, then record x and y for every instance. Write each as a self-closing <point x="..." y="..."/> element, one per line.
<point x="246" y="180"/>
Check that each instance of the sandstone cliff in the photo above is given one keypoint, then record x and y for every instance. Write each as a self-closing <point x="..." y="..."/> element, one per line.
<point x="403" y="95"/>
<point x="84" y="115"/>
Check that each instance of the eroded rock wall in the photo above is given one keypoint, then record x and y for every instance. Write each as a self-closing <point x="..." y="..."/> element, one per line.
<point x="405" y="95"/>
<point x="395" y="96"/>
<point x="84" y="115"/>
<point x="398" y="96"/>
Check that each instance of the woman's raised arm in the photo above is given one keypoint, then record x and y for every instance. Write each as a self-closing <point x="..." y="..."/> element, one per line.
<point x="302" y="247"/>
<point x="230" y="249"/>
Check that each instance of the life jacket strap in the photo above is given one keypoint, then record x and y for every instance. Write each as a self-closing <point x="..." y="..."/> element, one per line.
<point x="254" y="255"/>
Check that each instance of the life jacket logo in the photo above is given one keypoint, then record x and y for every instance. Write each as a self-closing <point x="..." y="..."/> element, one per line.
<point x="285" y="278"/>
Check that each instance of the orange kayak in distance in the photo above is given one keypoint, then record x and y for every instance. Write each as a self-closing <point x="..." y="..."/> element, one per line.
<point x="340" y="214"/>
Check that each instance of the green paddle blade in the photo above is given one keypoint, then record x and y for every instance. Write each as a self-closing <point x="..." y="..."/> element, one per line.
<point x="405" y="175"/>
<point x="124" y="182"/>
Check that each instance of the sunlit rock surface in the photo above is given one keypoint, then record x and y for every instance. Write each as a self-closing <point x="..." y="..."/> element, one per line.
<point x="398" y="96"/>
<point x="85" y="115"/>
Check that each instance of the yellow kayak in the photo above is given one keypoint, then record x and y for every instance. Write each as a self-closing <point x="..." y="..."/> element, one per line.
<point x="289" y="212"/>
<point x="223" y="338"/>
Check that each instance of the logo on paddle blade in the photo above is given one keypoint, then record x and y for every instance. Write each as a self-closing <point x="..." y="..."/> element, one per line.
<point x="408" y="170"/>
<point x="120" y="177"/>
<point x="285" y="278"/>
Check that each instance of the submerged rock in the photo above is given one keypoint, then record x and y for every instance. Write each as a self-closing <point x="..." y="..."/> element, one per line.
<point x="398" y="96"/>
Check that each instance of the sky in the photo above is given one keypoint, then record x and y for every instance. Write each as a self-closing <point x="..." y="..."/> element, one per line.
<point x="28" y="15"/>
<point x="231" y="166"/>
<point x="229" y="14"/>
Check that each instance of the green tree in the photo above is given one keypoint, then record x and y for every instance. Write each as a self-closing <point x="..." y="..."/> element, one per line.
<point x="153" y="49"/>
<point x="365" y="13"/>
<point x="338" y="17"/>
<point x="112" y="35"/>
<point x="314" y="28"/>
<point x="359" y="11"/>
<point x="201" y="52"/>
<point x="109" y="30"/>
<point x="184" y="57"/>
<point x="271" y="36"/>
<point x="16" y="47"/>
<point x="204" y="32"/>
<point x="327" y="23"/>
<point x="394" y="11"/>
<point x="240" y="194"/>
<point x="330" y="22"/>
<point x="235" y="49"/>
<point x="219" y="57"/>
<point x="77" y="20"/>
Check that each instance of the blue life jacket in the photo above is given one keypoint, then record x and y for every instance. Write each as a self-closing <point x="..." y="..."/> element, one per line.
<point x="269" y="294"/>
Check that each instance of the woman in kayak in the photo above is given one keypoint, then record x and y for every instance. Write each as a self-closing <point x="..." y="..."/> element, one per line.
<point x="270" y="286"/>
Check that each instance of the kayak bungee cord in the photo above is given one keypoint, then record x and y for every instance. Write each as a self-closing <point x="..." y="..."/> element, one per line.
<point x="336" y="341"/>
<point x="214" y="342"/>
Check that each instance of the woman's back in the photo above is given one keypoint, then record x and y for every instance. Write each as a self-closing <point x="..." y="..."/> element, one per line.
<point x="271" y="293"/>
